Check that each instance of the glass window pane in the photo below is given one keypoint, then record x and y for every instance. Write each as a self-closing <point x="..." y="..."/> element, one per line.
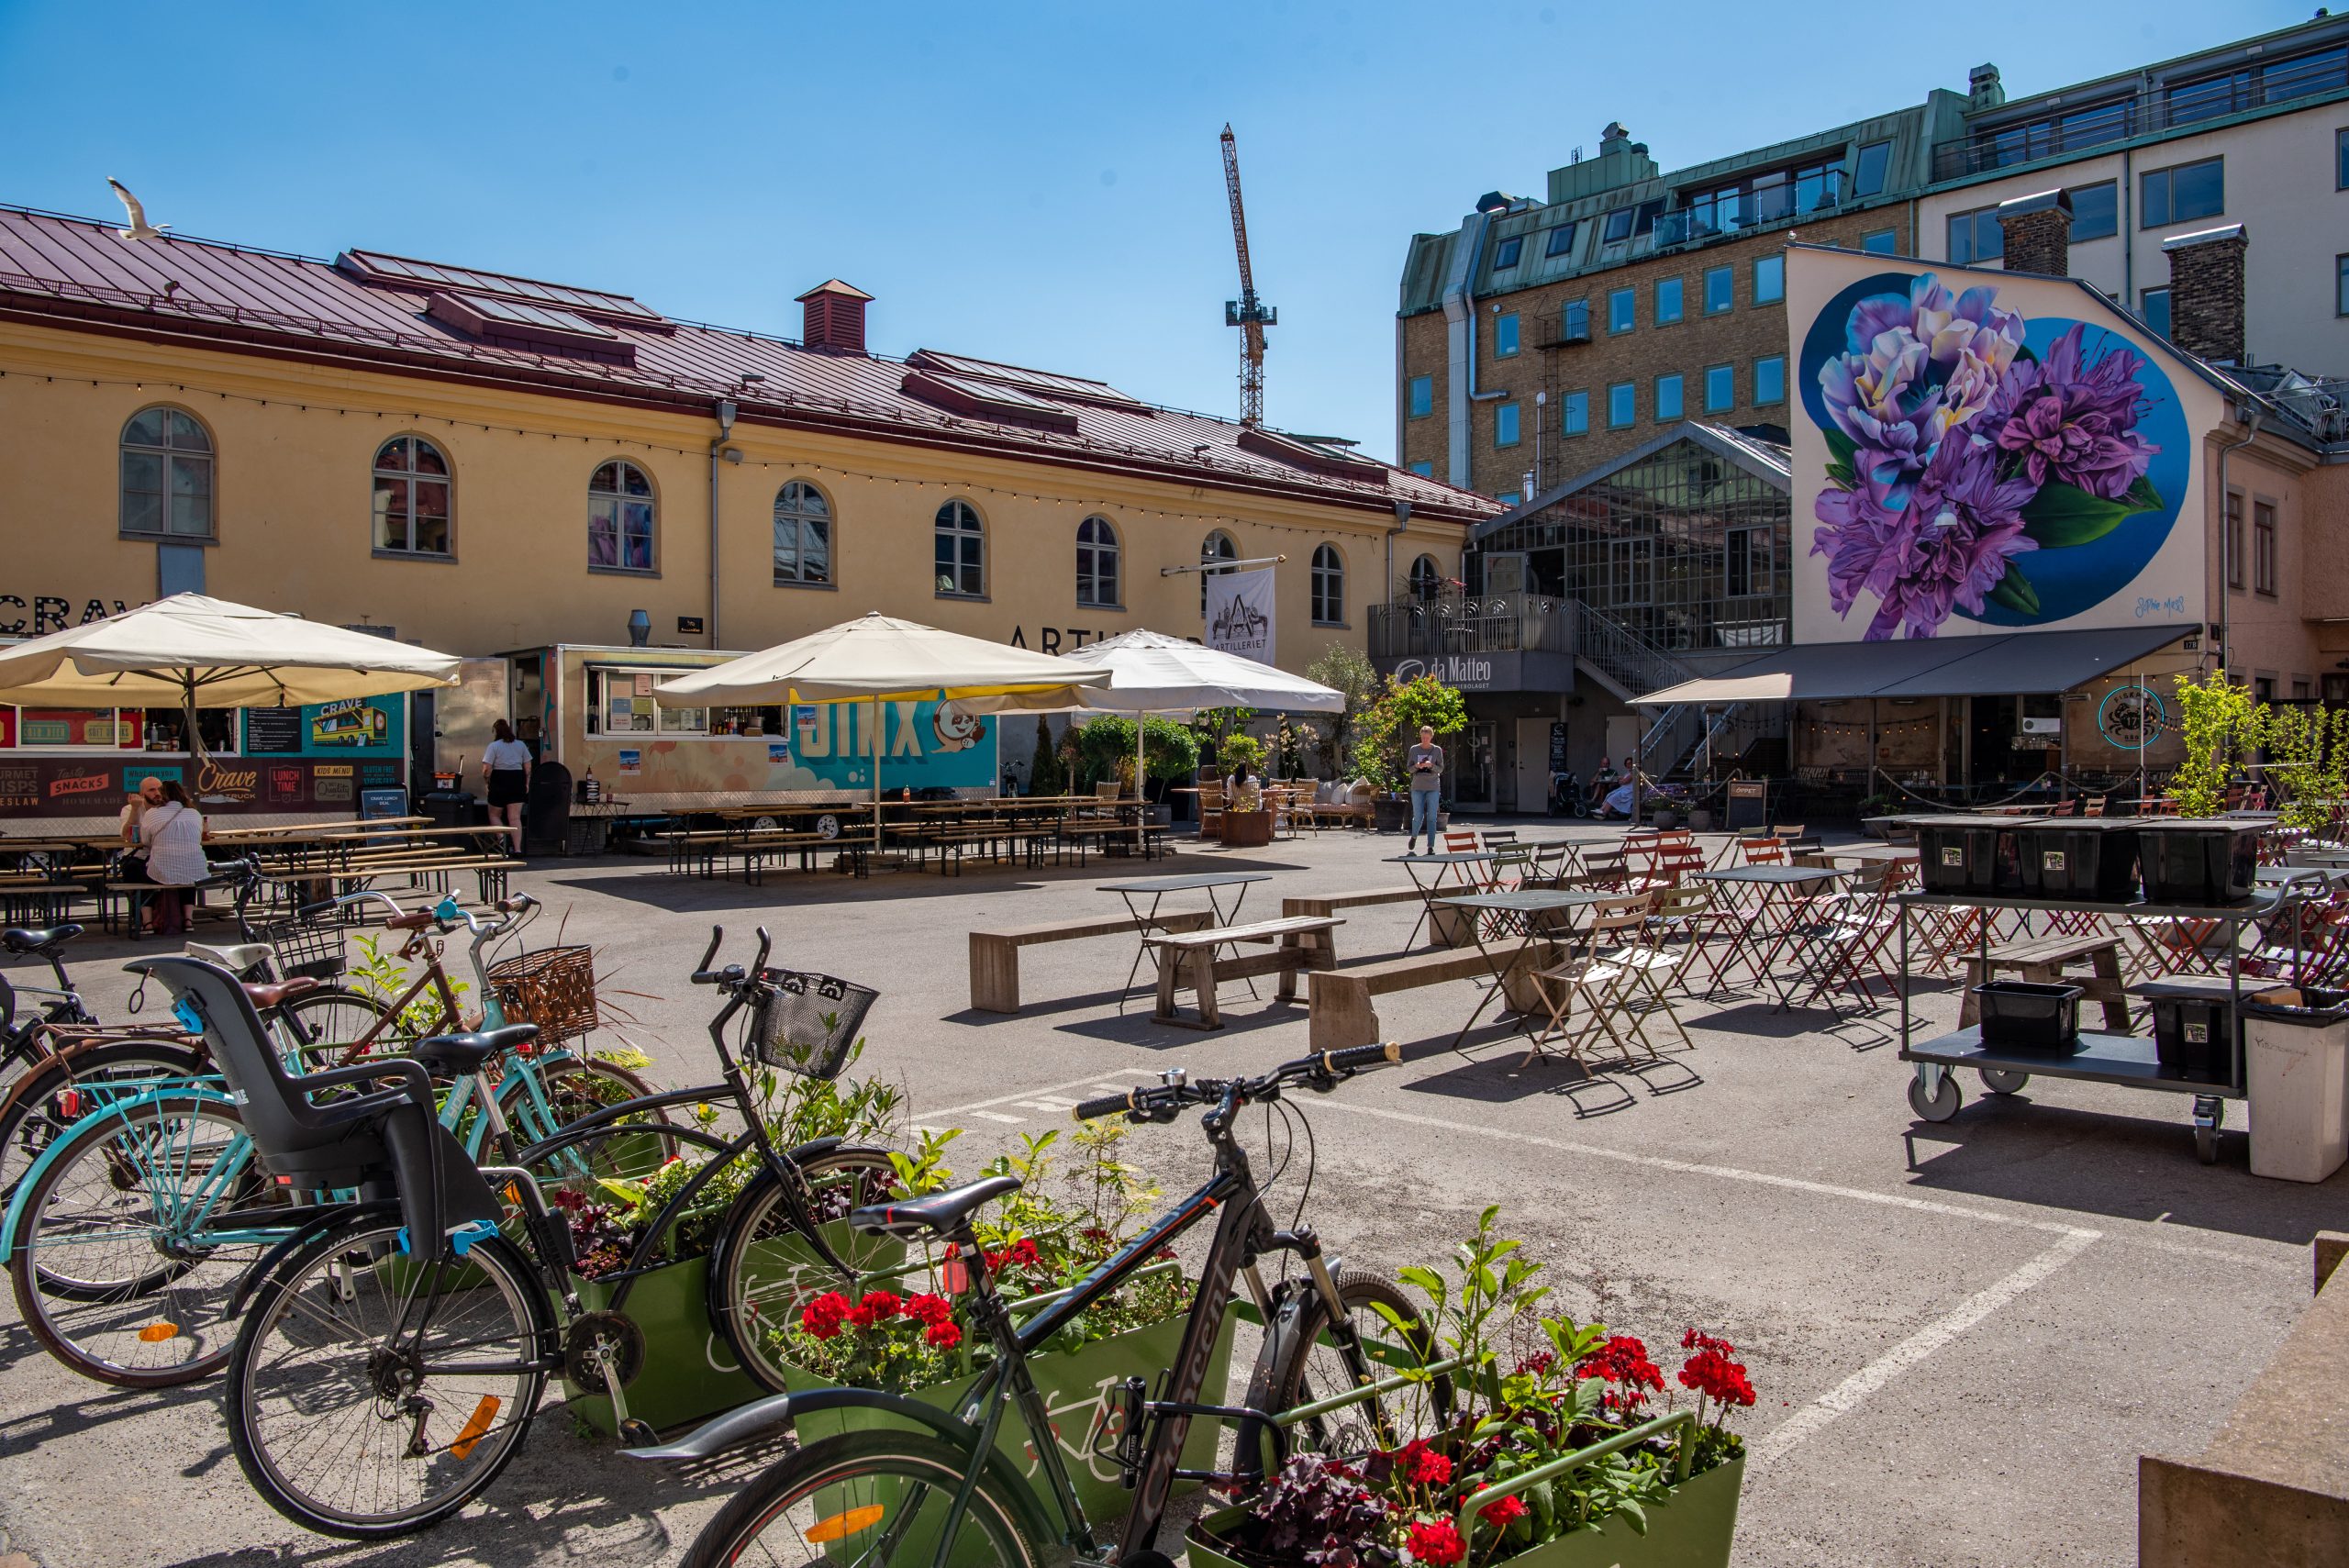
<point x="142" y="472"/>
<point x="2156" y="310"/>
<point x="1505" y="433"/>
<point x="1719" y="290"/>
<point x="786" y="551"/>
<point x="394" y="456"/>
<point x="1769" y="279"/>
<point x="2198" y="190"/>
<point x="428" y="459"/>
<point x="1422" y="396"/>
<point x="1562" y="240"/>
<point x="1770" y="380"/>
<point x="192" y="515"/>
<point x="607" y="478"/>
<point x="1622" y="405"/>
<point x="432" y="532"/>
<point x="816" y="550"/>
<point x="187" y="435"/>
<point x="635" y="480"/>
<point x="1883" y="242"/>
<point x="1668" y="397"/>
<point x="1577" y="412"/>
<point x="2341" y="285"/>
<point x="1504" y="335"/>
<point x="146" y="429"/>
<point x="2096" y="211"/>
<point x="1876" y="157"/>
<point x="1721" y="388"/>
<point x="191" y="476"/>
<point x="391" y="514"/>
<point x="143" y="493"/>
<point x="1622" y="310"/>
<point x="2153" y="206"/>
<point x="602" y="535"/>
<point x="1667" y="299"/>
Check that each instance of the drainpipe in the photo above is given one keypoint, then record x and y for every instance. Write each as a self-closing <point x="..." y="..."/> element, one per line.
<point x="1402" y="521"/>
<point x="725" y="430"/>
<point x="2250" y="418"/>
<point x="1460" y="314"/>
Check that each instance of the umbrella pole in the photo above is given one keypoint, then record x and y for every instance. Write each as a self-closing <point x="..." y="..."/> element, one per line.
<point x="1142" y="790"/>
<point x="876" y="776"/>
<point x="194" y="736"/>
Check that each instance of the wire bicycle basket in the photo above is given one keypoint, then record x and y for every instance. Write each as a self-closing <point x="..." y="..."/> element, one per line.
<point x="807" y="1023"/>
<point x="553" y="988"/>
<point x="307" y="945"/>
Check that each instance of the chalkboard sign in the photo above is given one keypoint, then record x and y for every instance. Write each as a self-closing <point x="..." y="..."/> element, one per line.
<point x="383" y="803"/>
<point x="1749" y="805"/>
<point x="1557" y="748"/>
<point x="272" y="731"/>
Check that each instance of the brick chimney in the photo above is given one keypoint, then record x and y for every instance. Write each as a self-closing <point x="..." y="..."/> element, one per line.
<point x="834" y="323"/>
<point x="2206" y="293"/>
<point x="2039" y="233"/>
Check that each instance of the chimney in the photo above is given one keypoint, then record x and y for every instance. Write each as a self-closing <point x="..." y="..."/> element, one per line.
<point x="2039" y="233"/>
<point x="1982" y="89"/>
<point x="1614" y="140"/>
<point x="835" y="317"/>
<point x="2206" y="293"/>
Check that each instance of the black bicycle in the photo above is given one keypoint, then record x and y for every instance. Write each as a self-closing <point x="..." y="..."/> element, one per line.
<point x="944" y="1493"/>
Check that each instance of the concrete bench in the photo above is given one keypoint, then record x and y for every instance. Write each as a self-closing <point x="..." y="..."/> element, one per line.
<point x="1344" y="1013"/>
<point x="995" y="955"/>
<point x="1188" y="959"/>
<point x="1355" y="898"/>
<point x="2043" y="962"/>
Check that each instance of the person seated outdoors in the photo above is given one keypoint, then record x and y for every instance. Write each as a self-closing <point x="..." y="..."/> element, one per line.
<point x="1602" y="785"/>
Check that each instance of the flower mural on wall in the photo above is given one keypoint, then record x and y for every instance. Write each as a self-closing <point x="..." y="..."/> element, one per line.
<point x="1960" y="457"/>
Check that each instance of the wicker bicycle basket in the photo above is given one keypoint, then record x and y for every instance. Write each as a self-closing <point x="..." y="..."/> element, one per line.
<point x="307" y="945"/>
<point x="807" y="1023"/>
<point x="553" y="988"/>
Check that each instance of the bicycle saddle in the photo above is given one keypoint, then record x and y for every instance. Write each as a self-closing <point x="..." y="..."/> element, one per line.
<point x="264" y="997"/>
<point x="238" y="957"/>
<point x="19" y="939"/>
<point x="455" y="1055"/>
<point x="941" y="1214"/>
<point x="386" y="1142"/>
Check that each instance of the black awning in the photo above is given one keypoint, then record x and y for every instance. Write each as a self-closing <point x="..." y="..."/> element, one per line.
<point x="2008" y="664"/>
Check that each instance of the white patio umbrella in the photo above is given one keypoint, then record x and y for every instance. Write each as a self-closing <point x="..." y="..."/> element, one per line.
<point x="879" y="658"/>
<point x="1152" y="672"/>
<point x="191" y="650"/>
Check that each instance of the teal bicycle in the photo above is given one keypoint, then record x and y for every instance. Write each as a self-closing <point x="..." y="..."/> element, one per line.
<point x="127" y="1240"/>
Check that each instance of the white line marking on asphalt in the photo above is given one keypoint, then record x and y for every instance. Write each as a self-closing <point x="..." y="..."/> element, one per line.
<point x="998" y="1115"/>
<point x="1017" y="1095"/>
<point x="1848" y="1395"/>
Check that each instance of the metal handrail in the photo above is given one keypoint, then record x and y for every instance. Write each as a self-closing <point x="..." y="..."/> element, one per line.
<point x="1683" y="1457"/>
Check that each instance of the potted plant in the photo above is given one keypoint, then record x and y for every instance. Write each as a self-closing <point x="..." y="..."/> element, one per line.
<point x="1247" y="815"/>
<point x="1554" y="1453"/>
<point x="1389" y="726"/>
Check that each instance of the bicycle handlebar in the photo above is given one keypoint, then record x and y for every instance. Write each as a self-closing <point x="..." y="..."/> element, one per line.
<point x="732" y="976"/>
<point x="1322" y="1070"/>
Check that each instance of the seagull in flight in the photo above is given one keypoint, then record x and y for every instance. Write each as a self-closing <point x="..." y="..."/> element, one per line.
<point x="139" y="227"/>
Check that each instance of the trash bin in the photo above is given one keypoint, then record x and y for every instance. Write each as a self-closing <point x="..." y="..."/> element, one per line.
<point x="453" y="808"/>
<point x="2296" y="1049"/>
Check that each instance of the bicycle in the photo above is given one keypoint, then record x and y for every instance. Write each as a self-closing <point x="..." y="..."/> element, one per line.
<point x="361" y="1337"/>
<point x="129" y="1240"/>
<point x="947" y="1494"/>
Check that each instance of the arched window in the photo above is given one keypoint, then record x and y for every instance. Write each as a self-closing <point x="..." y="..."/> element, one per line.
<point x="962" y="550"/>
<point x="412" y="508"/>
<point x="1329" y="586"/>
<point x="620" y="517"/>
<point x="1427" y="580"/>
<point x="1216" y="546"/>
<point x="803" y="534"/>
<point x="1097" y="562"/>
<point x="166" y="475"/>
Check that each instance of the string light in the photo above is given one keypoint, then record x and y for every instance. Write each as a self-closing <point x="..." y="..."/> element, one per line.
<point x="947" y="487"/>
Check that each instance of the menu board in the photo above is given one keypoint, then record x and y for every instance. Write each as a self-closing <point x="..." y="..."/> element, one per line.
<point x="272" y="731"/>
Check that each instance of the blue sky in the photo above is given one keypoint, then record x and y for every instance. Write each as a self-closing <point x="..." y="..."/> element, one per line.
<point x="1038" y="182"/>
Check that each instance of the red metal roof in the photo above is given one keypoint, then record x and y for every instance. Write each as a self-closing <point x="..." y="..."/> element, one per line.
<point x="54" y="267"/>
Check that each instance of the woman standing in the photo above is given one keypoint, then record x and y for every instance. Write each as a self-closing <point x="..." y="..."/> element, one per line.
<point x="506" y="765"/>
<point x="173" y="832"/>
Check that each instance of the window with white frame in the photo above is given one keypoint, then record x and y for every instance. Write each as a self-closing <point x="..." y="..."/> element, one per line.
<point x="411" y="508"/>
<point x="962" y="551"/>
<point x="166" y="475"/>
<point x="1096" y="563"/>
<point x="803" y="535"/>
<point x="621" y="519"/>
<point x="1217" y="547"/>
<point x="1329" y="586"/>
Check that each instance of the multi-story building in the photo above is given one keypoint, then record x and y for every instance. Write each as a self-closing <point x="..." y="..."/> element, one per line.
<point x="483" y="463"/>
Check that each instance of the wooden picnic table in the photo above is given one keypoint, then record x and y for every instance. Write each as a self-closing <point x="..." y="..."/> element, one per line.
<point x="1301" y="943"/>
<point x="1154" y="891"/>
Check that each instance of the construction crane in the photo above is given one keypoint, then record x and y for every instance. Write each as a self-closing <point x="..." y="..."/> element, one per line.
<point x="1248" y="313"/>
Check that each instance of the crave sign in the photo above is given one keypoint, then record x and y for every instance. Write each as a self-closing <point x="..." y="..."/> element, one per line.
<point x="1983" y="452"/>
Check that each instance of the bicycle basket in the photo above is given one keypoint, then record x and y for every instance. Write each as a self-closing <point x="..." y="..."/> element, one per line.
<point x="553" y="988"/>
<point x="807" y="1023"/>
<point x="307" y="945"/>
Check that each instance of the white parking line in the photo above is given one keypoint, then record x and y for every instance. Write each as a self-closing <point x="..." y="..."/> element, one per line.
<point x="1018" y="1094"/>
<point x="998" y="1115"/>
<point x="1848" y="1393"/>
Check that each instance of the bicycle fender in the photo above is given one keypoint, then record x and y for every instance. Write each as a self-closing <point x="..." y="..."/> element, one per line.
<point x="814" y="1147"/>
<point x="316" y="1225"/>
<point x="48" y="1156"/>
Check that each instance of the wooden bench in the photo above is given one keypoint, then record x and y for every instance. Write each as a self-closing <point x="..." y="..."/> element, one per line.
<point x="491" y="872"/>
<point x="1343" y="1009"/>
<point x="2042" y="963"/>
<point x="1188" y="957"/>
<point x="995" y="955"/>
<point x="1356" y="898"/>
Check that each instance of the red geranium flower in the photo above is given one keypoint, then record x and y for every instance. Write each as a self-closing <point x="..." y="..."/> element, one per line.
<point x="943" y="1336"/>
<point x="1697" y="1340"/>
<point x="1438" y="1544"/>
<point x="823" y="1316"/>
<point x="881" y="1303"/>
<point x="1499" y="1514"/>
<point x="1422" y="1465"/>
<point x="930" y="1309"/>
<point x="1622" y="1360"/>
<point x="1716" y="1376"/>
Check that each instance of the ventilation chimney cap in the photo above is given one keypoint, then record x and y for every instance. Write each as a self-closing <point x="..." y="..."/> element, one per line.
<point x="2038" y="201"/>
<point x="2204" y="237"/>
<point x="834" y="317"/>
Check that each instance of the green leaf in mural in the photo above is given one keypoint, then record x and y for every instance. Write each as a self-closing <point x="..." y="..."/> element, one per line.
<point x="2063" y="514"/>
<point x="2015" y="592"/>
<point x="1840" y="450"/>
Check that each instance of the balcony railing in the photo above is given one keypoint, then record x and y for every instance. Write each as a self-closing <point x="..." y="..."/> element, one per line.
<point x="1503" y="623"/>
<point x="2185" y="103"/>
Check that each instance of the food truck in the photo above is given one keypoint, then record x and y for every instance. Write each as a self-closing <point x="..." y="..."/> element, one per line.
<point x="592" y="709"/>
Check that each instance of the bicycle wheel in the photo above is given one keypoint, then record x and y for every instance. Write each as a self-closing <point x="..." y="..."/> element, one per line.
<point x="59" y="1090"/>
<point x="324" y="1025"/>
<point x="571" y="1088"/>
<point x="1307" y="1365"/>
<point x="369" y="1394"/>
<point x="874" y="1499"/>
<point x="133" y="1237"/>
<point x="761" y="1272"/>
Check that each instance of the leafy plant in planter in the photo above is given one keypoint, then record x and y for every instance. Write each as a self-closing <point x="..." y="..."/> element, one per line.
<point x="1394" y="722"/>
<point x="1558" y="1425"/>
<point x="1348" y="673"/>
<point x="1240" y="748"/>
<point x="2304" y="747"/>
<point x="1105" y="748"/>
<point x="2221" y="724"/>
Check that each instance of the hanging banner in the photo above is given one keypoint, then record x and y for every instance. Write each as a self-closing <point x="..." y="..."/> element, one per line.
<point x="1240" y="613"/>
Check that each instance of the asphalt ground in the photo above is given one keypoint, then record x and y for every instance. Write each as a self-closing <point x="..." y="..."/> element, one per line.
<point x="1963" y="1334"/>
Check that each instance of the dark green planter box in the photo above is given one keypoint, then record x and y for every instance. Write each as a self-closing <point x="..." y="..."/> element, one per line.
<point x="1693" y="1530"/>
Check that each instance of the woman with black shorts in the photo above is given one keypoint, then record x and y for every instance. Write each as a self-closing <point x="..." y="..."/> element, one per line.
<point x="506" y="764"/>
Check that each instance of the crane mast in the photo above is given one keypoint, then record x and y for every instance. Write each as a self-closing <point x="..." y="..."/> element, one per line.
<point x="1248" y="313"/>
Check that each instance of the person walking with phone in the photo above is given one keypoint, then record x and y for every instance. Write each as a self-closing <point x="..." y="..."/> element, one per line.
<point x="1425" y="762"/>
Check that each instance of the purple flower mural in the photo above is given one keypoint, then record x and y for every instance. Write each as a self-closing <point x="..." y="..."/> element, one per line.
<point x="1954" y="453"/>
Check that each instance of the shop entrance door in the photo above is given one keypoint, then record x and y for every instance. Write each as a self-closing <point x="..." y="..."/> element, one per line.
<point x="1994" y="726"/>
<point x="1474" y="769"/>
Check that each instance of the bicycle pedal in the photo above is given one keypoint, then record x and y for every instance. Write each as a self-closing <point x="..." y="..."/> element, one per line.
<point x="634" y="1433"/>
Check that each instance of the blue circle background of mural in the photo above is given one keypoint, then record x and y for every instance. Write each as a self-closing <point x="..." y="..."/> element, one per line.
<point x="2078" y="578"/>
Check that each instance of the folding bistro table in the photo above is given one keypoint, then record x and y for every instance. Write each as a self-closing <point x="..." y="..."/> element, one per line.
<point x="1770" y="898"/>
<point x="1144" y="896"/>
<point x="1532" y="916"/>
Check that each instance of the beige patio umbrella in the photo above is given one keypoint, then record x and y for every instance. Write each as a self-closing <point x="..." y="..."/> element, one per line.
<point x="192" y="651"/>
<point x="877" y="658"/>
